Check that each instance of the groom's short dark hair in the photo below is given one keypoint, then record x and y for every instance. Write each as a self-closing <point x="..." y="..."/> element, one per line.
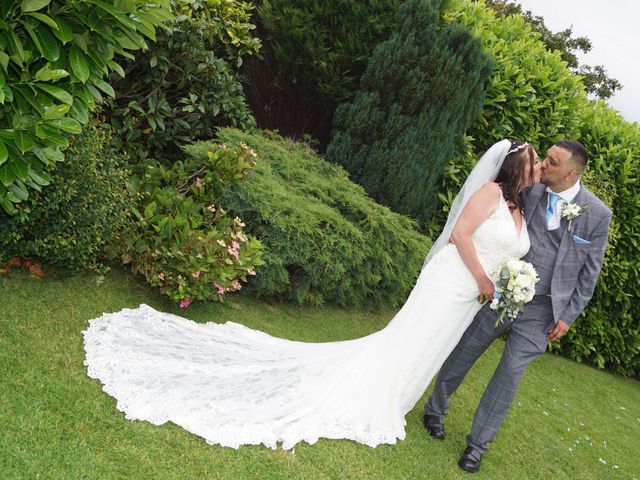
<point x="578" y="152"/>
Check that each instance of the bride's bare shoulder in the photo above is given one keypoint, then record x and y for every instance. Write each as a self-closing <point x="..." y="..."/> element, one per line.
<point x="486" y="199"/>
<point x="489" y="191"/>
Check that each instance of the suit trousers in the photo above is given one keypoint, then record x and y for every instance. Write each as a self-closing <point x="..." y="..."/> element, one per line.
<point x="526" y="340"/>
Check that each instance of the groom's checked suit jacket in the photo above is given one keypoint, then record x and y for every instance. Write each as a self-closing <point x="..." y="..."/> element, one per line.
<point x="580" y="252"/>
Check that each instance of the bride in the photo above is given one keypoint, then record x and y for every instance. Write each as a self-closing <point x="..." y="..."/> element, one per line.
<point x="234" y="386"/>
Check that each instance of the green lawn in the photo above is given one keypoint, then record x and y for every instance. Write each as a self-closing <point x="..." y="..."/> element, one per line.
<point x="568" y="420"/>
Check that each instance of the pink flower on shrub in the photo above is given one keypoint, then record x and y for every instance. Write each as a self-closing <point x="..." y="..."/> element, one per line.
<point x="251" y="272"/>
<point x="186" y="302"/>
<point x="233" y="253"/>
<point x="196" y="275"/>
<point x="236" y="285"/>
<point x="219" y="287"/>
<point x="235" y="245"/>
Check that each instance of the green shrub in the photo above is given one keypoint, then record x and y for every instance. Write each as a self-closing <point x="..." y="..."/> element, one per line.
<point x="312" y="57"/>
<point x="324" y="239"/>
<point x="422" y="89"/>
<point x="325" y="46"/>
<point x="187" y="83"/>
<point x="608" y="333"/>
<point x="181" y="241"/>
<point x="54" y="56"/>
<point x="70" y="223"/>
<point x="531" y="95"/>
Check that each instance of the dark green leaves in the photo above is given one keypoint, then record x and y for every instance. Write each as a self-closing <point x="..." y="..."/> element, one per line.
<point x="54" y="58"/>
<point x="33" y="5"/>
<point x="79" y="64"/>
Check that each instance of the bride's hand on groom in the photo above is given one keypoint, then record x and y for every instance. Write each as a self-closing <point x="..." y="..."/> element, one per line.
<point x="558" y="331"/>
<point x="487" y="289"/>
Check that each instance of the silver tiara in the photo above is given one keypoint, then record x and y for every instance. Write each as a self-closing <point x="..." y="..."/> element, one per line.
<point x="518" y="148"/>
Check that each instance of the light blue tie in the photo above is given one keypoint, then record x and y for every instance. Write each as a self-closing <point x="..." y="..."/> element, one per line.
<point x="551" y="209"/>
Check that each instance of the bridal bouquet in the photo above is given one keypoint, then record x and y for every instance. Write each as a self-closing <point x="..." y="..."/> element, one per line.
<point x="515" y="286"/>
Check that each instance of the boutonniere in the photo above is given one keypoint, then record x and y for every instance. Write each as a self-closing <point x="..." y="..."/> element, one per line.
<point x="572" y="210"/>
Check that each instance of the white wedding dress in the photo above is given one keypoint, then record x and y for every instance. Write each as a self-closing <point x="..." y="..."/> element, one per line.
<point x="234" y="386"/>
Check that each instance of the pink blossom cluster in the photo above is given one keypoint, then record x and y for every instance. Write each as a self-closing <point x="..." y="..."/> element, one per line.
<point x="233" y="250"/>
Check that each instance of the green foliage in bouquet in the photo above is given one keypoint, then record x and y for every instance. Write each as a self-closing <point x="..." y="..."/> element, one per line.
<point x="181" y="241"/>
<point x="54" y="57"/>
<point x="71" y="222"/>
<point x="422" y="89"/>
<point x="324" y="239"/>
<point x="187" y="83"/>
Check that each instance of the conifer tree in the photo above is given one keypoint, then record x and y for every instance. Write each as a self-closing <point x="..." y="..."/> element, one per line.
<point x="420" y="92"/>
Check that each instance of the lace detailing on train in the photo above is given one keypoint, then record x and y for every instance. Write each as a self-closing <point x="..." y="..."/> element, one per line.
<point x="234" y="386"/>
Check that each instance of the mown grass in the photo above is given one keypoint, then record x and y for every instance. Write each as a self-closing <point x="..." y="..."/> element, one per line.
<point x="55" y="422"/>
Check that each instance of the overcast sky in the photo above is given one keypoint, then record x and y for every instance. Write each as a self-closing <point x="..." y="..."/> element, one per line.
<point x="613" y="27"/>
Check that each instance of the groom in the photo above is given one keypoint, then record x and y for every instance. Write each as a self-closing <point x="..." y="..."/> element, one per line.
<point x="567" y="254"/>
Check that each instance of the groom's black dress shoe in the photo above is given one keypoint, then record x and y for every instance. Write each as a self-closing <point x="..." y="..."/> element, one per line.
<point x="470" y="460"/>
<point x="434" y="426"/>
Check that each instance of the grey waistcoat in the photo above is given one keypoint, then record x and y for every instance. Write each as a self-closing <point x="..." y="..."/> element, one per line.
<point x="544" y="248"/>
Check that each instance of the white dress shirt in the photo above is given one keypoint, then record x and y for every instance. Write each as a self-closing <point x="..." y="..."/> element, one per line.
<point x="565" y="197"/>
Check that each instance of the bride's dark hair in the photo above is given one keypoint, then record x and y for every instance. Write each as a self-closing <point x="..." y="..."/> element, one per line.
<point x="511" y="176"/>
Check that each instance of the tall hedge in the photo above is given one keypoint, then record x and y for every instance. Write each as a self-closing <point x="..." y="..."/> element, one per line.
<point x="422" y="89"/>
<point x="324" y="239"/>
<point x="533" y="96"/>
<point x="313" y="56"/>
<point x="325" y="45"/>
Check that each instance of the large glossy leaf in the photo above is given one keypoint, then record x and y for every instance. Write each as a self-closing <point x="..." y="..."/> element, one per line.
<point x="3" y="153"/>
<point x="95" y="93"/>
<point x="33" y="5"/>
<point x="54" y="138"/>
<point x="45" y="19"/>
<point x="44" y="41"/>
<point x="79" y="64"/>
<point x="53" y="154"/>
<point x="117" y="14"/>
<point x="56" y="111"/>
<point x="105" y="87"/>
<point x="41" y="178"/>
<point x="6" y="176"/>
<point x="24" y="141"/>
<point x="50" y="45"/>
<point x="18" y="49"/>
<point x="67" y="124"/>
<point x="19" y="190"/>
<point x="19" y="167"/>
<point x="56" y="92"/>
<point x="128" y="6"/>
<point x="64" y="32"/>
<point x="59" y="73"/>
<point x="79" y="111"/>
<point x="116" y="67"/>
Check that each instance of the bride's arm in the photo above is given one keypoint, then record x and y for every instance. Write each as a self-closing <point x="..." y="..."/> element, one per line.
<point x="481" y="204"/>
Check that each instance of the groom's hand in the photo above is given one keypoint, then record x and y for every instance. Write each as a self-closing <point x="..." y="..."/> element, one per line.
<point x="557" y="332"/>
